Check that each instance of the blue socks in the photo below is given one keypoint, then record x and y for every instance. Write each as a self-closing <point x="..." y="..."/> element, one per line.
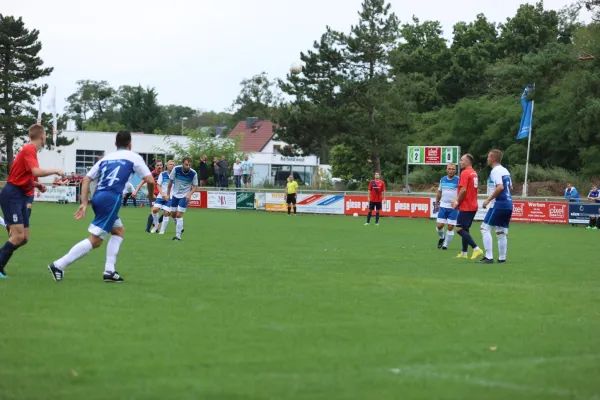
<point x="6" y="253"/>
<point x="467" y="240"/>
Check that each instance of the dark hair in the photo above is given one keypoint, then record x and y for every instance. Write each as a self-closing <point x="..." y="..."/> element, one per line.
<point x="123" y="139"/>
<point x="158" y="161"/>
<point x="186" y="159"/>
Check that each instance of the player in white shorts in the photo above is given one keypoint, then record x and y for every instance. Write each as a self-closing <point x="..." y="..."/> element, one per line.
<point x="183" y="182"/>
<point x="446" y="215"/>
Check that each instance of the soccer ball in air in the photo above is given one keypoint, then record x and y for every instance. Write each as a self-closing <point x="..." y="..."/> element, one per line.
<point x="296" y="68"/>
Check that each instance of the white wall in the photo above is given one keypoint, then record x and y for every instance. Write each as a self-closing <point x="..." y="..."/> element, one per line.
<point x="64" y="157"/>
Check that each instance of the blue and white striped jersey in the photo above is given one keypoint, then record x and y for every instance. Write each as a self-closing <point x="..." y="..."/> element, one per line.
<point x="449" y="189"/>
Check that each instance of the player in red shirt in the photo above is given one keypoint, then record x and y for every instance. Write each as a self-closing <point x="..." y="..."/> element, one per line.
<point x="467" y="206"/>
<point x="376" y="197"/>
<point x="158" y="168"/>
<point x="13" y="198"/>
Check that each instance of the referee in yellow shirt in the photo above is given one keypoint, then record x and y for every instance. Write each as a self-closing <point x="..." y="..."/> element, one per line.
<point x="291" y="191"/>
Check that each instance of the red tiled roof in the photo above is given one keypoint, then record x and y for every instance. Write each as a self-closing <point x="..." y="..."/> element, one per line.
<point x="255" y="138"/>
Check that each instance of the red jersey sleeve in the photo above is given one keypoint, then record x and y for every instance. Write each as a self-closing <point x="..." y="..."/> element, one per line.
<point x="370" y="186"/>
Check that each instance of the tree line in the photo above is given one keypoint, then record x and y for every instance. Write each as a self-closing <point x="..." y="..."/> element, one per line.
<point x="366" y="94"/>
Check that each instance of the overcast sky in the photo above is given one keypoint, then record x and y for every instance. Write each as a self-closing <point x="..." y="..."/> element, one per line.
<point x="195" y="52"/>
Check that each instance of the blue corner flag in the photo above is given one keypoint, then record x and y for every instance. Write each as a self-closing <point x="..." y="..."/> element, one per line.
<point x="527" y="117"/>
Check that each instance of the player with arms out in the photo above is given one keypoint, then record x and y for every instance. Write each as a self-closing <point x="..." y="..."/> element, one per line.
<point x="446" y="215"/>
<point x="183" y="182"/>
<point x="466" y="201"/>
<point x="291" y="192"/>
<point x="113" y="172"/>
<point x="500" y="211"/>
<point x="13" y="198"/>
<point x="376" y="198"/>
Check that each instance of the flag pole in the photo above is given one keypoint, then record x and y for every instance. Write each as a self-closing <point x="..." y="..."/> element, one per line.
<point x="528" y="148"/>
<point x="39" y="116"/>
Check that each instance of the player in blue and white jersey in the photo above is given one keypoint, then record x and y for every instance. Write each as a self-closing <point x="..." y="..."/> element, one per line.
<point x="113" y="172"/>
<point x="162" y="201"/>
<point x="183" y="182"/>
<point x="500" y="211"/>
<point x="446" y="215"/>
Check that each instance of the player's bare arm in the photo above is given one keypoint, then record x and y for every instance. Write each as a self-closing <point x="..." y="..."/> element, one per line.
<point x="461" y="195"/>
<point x="495" y="193"/>
<point x="191" y="192"/>
<point x="438" y="198"/>
<point x="85" y="193"/>
<point x="137" y="188"/>
<point x="169" y="189"/>
<point x="150" y="185"/>
<point x="41" y="173"/>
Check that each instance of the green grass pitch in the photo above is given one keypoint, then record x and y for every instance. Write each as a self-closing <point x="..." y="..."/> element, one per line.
<point x="252" y="305"/>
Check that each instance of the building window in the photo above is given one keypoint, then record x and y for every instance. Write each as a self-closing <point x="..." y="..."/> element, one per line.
<point x="151" y="158"/>
<point x="285" y="151"/>
<point x="85" y="159"/>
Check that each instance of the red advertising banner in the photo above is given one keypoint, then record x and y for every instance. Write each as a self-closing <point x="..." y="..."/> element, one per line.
<point x="433" y="155"/>
<point x="414" y="207"/>
<point x="199" y="199"/>
<point x="542" y="211"/>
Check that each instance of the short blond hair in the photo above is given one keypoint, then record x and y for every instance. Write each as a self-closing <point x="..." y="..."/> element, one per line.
<point x="36" y="131"/>
<point x="496" y="155"/>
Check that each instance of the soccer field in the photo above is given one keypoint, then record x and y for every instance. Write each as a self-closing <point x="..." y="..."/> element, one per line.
<point x="252" y="305"/>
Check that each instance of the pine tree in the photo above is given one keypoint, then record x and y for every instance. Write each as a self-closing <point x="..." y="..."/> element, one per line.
<point x="20" y="67"/>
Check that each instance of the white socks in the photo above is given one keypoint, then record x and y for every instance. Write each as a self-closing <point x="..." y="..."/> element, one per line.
<point x="449" y="237"/>
<point x="163" y="226"/>
<point x="2" y="222"/>
<point x="179" y="227"/>
<point x="78" y="251"/>
<point x="502" y="246"/>
<point x="112" y="250"/>
<point x="488" y="243"/>
<point x="441" y="233"/>
<point x="155" y="219"/>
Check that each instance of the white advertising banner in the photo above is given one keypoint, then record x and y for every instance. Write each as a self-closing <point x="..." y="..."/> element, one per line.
<point x="222" y="200"/>
<point x="55" y="193"/>
<point x="478" y="217"/>
<point x="260" y="199"/>
<point x="274" y="198"/>
<point x="320" y="204"/>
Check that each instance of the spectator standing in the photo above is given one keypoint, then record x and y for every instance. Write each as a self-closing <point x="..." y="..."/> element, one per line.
<point x="203" y="171"/>
<point x="128" y="194"/>
<point x="223" y="170"/>
<point x="571" y="194"/>
<point x="594" y="221"/>
<point x="237" y="173"/>
<point x="594" y="195"/>
<point x="216" y="173"/>
<point x="247" y="170"/>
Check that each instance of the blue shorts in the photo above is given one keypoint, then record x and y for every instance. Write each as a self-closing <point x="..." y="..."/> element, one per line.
<point x="162" y="204"/>
<point x="447" y="216"/>
<point x="498" y="217"/>
<point x="178" y="205"/>
<point x="14" y="206"/>
<point x="465" y="219"/>
<point x="30" y="199"/>
<point x="106" y="207"/>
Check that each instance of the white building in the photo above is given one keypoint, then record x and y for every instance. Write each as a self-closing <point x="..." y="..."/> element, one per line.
<point x="256" y="139"/>
<point x="269" y="156"/>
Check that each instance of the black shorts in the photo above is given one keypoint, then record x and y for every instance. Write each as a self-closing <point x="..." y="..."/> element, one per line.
<point x="14" y="206"/>
<point x="246" y="178"/>
<point x="375" y="205"/>
<point x="465" y="219"/>
<point x="290" y="199"/>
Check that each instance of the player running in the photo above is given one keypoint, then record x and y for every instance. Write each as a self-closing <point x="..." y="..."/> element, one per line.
<point x="183" y="182"/>
<point x="291" y="193"/>
<point x="446" y="215"/>
<point x="13" y="198"/>
<point x="113" y="172"/>
<point x="162" y="201"/>
<point x="158" y="169"/>
<point x="466" y="201"/>
<point x="376" y="197"/>
<point x="500" y="211"/>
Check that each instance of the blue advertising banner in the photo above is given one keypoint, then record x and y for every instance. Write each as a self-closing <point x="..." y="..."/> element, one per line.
<point x="580" y="213"/>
